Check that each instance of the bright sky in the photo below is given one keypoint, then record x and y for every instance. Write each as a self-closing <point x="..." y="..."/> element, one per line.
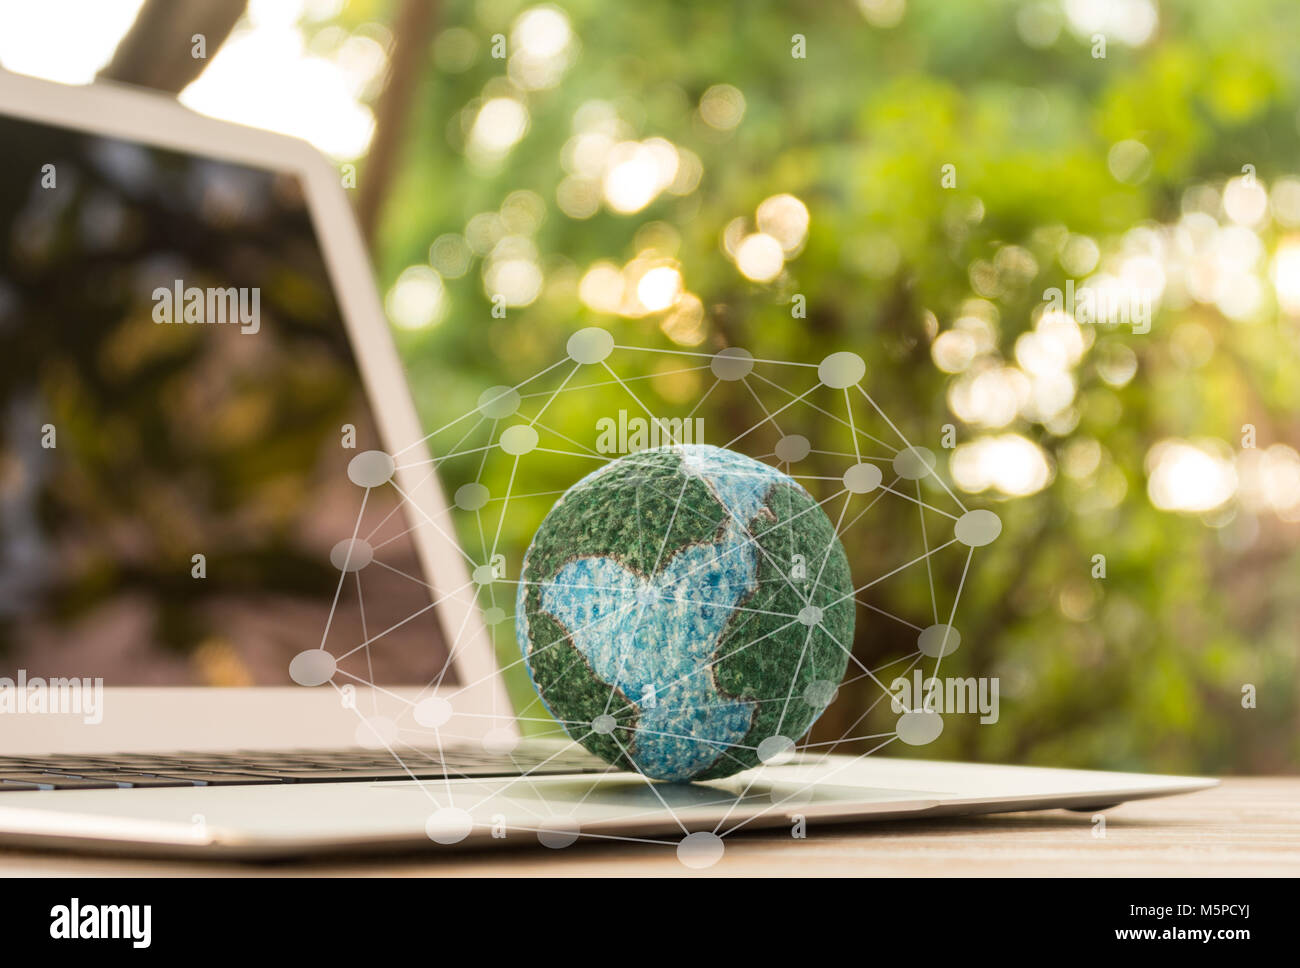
<point x="262" y="76"/>
<point x="62" y="40"/>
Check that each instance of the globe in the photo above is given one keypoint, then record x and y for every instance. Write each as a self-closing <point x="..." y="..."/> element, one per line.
<point x="686" y="612"/>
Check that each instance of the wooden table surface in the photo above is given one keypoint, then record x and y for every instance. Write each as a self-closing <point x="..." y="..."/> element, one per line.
<point x="1246" y="827"/>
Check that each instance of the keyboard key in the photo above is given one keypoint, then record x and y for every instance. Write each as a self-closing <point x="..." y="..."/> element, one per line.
<point x="346" y="776"/>
<point x="53" y="781"/>
<point x="221" y="779"/>
<point x="129" y="781"/>
<point x="8" y="785"/>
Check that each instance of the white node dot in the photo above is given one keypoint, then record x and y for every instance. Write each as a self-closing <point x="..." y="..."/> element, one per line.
<point x="498" y="402"/>
<point x="919" y="727"/>
<point x="471" y="497"/>
<point x="376" y="732"/>
<point x="820" y="692"/>
<point x="776" y="750"/>
<point x="840" y="370"/>
<point x="494" y="615"/>
<point x="312" y="667"/>
<point x="809" y="615"/>
<point x="500" y="739"/>
<point x="371" y="468"/>
<point x="863" y="478"/>
<point x="931" y="640"/>
<point x="604" y="724"/>
<point x="448" y="825"/>
<point x="914" y="463"/>
<point x="590" y="345"/>
<point x="793" y="447"/>
<point x="518" y="440"/>
<point x="732" y="364"/>
<point x="700" y="850"/>
<point x="977" y="528"/>
<point x="558" y="832"/>
<point x="352" y="554"/>
<point x="432" y="712"/>
<point x="484" y="575"/>
<point x="647" y="595"/>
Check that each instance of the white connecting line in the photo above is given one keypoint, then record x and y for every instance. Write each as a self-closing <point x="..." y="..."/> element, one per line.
<point x="484" y="439"/>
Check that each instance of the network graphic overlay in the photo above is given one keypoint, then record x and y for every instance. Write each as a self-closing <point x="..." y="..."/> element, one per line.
<point x="882" y="473"/>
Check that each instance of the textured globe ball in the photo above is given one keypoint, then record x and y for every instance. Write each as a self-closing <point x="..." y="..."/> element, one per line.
<point x="685" y="612"/>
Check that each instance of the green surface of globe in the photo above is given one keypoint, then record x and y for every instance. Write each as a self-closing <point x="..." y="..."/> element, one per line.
<point x="686" y="612"/>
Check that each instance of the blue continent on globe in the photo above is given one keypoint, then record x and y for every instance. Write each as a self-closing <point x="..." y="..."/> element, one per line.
<point x="681" y="605"/>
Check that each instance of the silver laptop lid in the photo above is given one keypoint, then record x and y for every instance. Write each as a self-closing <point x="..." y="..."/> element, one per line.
<point x="180" y="406"/>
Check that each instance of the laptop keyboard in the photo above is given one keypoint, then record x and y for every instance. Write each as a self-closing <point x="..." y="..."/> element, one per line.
<point x="248" y="767"/>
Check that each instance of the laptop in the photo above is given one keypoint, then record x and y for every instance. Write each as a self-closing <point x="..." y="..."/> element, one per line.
<point x="195" y="359"/>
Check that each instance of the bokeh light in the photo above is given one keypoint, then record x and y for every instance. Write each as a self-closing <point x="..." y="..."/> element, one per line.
<point x="1190" y="476"/>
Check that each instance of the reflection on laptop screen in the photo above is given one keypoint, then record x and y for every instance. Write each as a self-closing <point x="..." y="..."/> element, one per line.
<point x="178" y="407"/>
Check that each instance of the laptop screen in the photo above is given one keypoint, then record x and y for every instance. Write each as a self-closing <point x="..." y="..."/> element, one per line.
<point x="178" y="408"/>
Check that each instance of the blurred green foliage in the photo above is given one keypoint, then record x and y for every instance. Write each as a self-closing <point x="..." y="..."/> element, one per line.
<point x="1142" y="669"/>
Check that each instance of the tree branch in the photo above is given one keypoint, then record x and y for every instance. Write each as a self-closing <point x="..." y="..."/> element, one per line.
<point x="157" y="51"/>
<point x="413" y="31"/>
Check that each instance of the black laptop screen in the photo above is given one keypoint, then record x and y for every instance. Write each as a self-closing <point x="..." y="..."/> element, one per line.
<point x="178" y="407"/>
